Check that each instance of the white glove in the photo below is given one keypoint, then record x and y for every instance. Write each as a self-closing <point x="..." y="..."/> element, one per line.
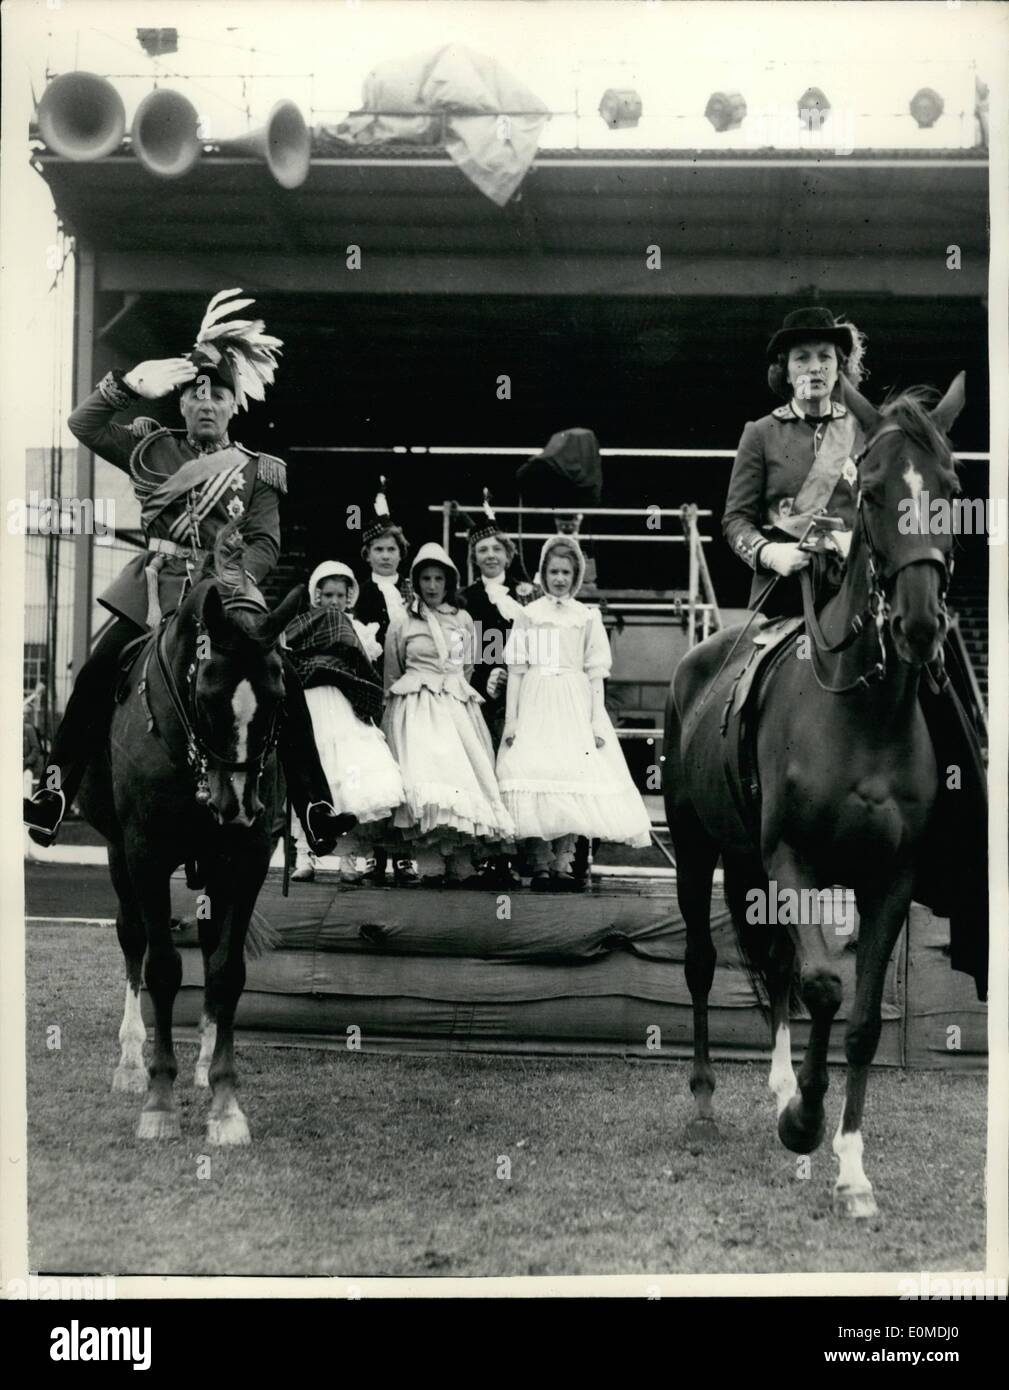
<point x="160" y="376"/>
<point x="496" y="682"/>
<point x="783" y="558"/>
<point x="841" y="541"/>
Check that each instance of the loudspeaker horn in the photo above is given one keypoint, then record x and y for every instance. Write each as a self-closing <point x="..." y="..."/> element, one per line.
<point x="285" y="142"/>
<point x="81" y="116"/>
<point x="165" y="133"/>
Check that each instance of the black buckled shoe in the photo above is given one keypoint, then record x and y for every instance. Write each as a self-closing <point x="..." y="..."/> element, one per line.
<point x="324" y="826"/>
<point x="403" y="874"/>
<point x="43" y="815"/>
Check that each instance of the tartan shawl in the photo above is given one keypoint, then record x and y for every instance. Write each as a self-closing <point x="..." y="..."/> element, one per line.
<point x="325" y="650"/>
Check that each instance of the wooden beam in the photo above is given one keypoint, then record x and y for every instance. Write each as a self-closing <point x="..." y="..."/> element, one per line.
<point x="585" y="275"/>
<point x="85" y="290"/>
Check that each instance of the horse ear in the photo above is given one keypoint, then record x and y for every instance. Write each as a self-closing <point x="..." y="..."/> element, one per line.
<point x="864" y="411"/>
<point x="212" y="613"/>
<point x="272" y="625"/>
<point x="945" y="413"/>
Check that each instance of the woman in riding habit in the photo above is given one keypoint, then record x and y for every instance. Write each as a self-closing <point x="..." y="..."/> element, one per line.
<point x="797" y="464"/>
<point x="798" y="461"/>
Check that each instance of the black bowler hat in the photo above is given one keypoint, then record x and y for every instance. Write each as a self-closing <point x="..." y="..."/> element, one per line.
<point x="802" y="325"/>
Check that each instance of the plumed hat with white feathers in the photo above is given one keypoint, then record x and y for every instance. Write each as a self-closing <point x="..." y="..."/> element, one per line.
<point x="236" y="351"/>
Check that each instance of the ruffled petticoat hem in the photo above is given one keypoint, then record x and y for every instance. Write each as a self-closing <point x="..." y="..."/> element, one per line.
<point x="614" y="817"/>
<point x="432" y="814"/>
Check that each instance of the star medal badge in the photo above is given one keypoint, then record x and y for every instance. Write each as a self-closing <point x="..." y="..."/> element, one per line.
<point x="849" y="472"/>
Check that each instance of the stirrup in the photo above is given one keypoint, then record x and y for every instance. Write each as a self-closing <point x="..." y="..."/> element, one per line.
<point x="39" y="833"/>
<point x="340" y="823"/>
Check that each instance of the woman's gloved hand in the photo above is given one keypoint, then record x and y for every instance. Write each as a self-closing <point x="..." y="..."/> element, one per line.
<point x="509" y="732"/>
<point x="783" y="558"/>
<point x="496" y="682"/>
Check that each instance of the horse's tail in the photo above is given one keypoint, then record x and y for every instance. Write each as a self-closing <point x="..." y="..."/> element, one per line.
<point x="746" y="888"/>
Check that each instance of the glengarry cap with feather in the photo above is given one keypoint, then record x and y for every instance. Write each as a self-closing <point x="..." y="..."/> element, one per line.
<point x="236" y="353"/>
<point x="486" y="525"/>
<point x="382" y="522"/>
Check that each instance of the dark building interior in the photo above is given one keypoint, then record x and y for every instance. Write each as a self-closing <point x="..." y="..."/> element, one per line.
<point x="551" y="291"/>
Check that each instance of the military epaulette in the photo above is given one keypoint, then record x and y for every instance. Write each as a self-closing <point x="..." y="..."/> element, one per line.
<point x="142" y="426"/>
<point x="273" y="471"/>
<point x="784" y="412"/>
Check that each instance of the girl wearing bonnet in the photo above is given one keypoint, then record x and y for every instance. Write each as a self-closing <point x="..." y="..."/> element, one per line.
<point x="452" y="804"/>
<point x="333" y="654"/>
<point x="561" y="770"/>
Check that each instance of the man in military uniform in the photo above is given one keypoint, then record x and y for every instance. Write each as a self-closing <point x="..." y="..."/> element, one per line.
<point x="191" y="483"/>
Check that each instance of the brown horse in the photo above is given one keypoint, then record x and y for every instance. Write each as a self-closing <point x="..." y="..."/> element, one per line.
<point x="847" y="779"/>
<point x="179" y="783"/>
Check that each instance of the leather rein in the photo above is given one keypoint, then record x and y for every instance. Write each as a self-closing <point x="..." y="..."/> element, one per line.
<point x="877" y="608"/>
<point x="200" y="756"/>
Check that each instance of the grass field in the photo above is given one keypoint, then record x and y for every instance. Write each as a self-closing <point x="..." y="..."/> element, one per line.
<point x="388" y="1165"/>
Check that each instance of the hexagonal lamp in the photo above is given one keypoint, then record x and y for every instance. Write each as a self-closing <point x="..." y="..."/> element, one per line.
<point x="620" y="108"/>
<point x="726" y="110"/>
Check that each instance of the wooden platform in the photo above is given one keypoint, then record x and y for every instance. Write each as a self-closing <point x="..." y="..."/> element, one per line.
<point x="600" y="972"/>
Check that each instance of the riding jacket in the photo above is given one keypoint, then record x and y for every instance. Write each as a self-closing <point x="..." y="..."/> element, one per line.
<point x="187" y="496"/>
<point x="775" y="456"/>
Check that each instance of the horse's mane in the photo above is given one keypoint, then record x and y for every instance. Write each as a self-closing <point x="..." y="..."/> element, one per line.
<point x="911" y="409"/>
<point x="224" y="564"/>
<point x="225" y="561"/>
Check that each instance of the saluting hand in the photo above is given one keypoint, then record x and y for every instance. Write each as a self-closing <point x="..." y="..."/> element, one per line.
<point x="784" y="558"/>
<point x="160" y="376"/>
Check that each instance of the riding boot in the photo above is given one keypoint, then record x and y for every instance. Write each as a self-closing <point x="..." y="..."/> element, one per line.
<point x="306" y="780"/>
<point x="81" y="733"/>
<point x="953" y="869"/>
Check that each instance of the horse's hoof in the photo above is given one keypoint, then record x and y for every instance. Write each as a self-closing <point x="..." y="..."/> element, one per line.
<point x="855" y="1204"/>
<point x="228" y="1130"/>
<point x="701" y="1131"/>
<point x="800" y="1132"/>
<point x="130" y="1080"/>
<point x="201" y="1076"/>
<point x="158" y="1124"/>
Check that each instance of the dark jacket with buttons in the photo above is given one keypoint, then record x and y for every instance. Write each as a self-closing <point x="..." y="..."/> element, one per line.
<point x="774" y="457"/>
<point x="254" y="494"/>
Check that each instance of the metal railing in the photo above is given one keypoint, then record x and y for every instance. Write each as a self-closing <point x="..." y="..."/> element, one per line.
<point x="702" y="613"/>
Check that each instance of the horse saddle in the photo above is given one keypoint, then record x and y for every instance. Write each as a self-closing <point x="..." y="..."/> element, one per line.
<point x="125" y="663"/>
<point x="754" y="661"/>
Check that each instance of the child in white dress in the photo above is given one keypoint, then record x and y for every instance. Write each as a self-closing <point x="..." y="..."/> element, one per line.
<point x="333" y="654"/>
<point x="437" y="733"/>
<point x="560" y="767"/>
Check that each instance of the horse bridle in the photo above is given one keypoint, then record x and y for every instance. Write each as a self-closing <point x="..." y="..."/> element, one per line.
<point x="200" y="756"/>
<point x="877" y="607"/>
